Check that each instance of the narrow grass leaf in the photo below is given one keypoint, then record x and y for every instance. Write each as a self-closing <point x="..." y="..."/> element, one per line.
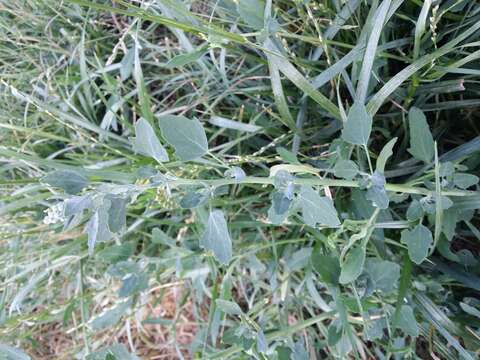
<point x="385" y="154"/>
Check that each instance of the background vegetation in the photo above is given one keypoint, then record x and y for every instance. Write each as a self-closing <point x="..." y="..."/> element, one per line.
<point x="123" y="236"/>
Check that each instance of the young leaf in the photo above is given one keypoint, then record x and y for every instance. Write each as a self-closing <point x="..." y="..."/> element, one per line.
<point x="345" y="169"/>
<point x="251" y="11"/>
<point x="184" y="59"/>
<point x="385" y="154"/>
<point x="236" y="173"/>
<point x="70" y="181"/>
<point x="147" y="143"/>
<point x="217" y="238"/>
<point x="327" y="267"/>
<point x="229" y="307"/>
<point x="186" y="136"/>
<point x="464" y="181"/>
<point x="317" y="209"/>
<point x="421" y="140"/>
<point x="418" y="242"/>
<point x="407" y="322"/>
<point x="384" y="274"/>
<point x="358" y="127"/>
<point x="353" y="265"/>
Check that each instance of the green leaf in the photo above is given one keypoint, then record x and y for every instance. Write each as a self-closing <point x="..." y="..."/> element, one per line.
<point x="358" y="126"/>
<point x="421" y="140"/>
<point x="126" y="65"/>
<point x="110" y="317"/>
<point x="117" y="218"/>
<point x="384" y="274"/>
<point x="216" y="237"/>
<point x="418" y="242"/>
<point x="147" y="143"/>
<point x="317" y="209"/>
<point x="251" y="11"/>
<point x="184" y="59"/>
<point x="287" y="155"/>
<point x="385" y="154"/>
<point x="97" y="227"/>
<point x="415" y="210"/>
<point x="8" y="352"/>
<point x="133" y="284"/>
<point x="464" y="181"/>
<point x="345" y="169"/>
<point x="70" y="181"/>
<point x="327" y="267"/>
<point x="353" y="265"/>
<point x="115" y="253"/>
<point x="194" y="199"/>
<point x="407" y="322"/>
<point x="228" y="307"/>
<point x="186" y="136"/>
<point x="116" y="352"/>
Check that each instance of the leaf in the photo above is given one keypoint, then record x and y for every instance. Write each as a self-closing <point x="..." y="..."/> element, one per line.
<point x="116" y="253"/>
<point x="407" y="322"/>
<point x="133" y="284"/>
<point x="110" y="317"/>
<point x="418" y="242"/>
<point x="147" y="143"/>
<point x="415" y="210"/>
<point x="353" y="265"/>
<point x="232" y="124"/>
<point x="251" y="11"/>
<point x="194" y="199"/>
<point x="126" y="65"/>
<point x="217" y="238"/>
<point x="287" y="155"/>
<point x="236" y="173"/>
<point x="280" y="202"/>
<point x="421" y="140"/>
<point x="385" y="154"/>
<point x="377" y="193"/>
<point x="184" y="59"/>
<point x="8" y="352"/>
<point x="384" y="274"/>
<point x="357" y="128"/>
<point x="97" y="227"/>
<point x="464" y="181"/>
<point x="229" y="307"/>
<point x="112" y="352"/>
<point x="186" y="136"/>
<point x="327" y="267"/>
<point x="345" y="169"/>
<point x="117" y="218"/>
<point x="317" y="209"/>
<point x="70" y="181"/>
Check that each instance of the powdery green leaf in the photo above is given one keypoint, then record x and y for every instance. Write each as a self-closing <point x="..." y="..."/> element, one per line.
<point x="229" y="307"/>
<point x="353" y="265"/>
<point x="70" y="181"/>
<point x="407" y="322"/>
<point x="385" y="154"/>
<point x="8" y="352"/>
<point x="358" y="126"/>
<point x="216" y="237"/>
<point x="186" y="136"/>
<point x="384" y="274"/>
<point x="415" y="210"/>
<point x="327" y="267"/>
<point x="117" y="217"/>
<point x="97" y="227"/>
<point x="251" y="11"/>
<point x="193" y="199"/>
<point x="418" y="242"/>
<point x="317" y="209"/>
<point x="464" y="181"/>
<point x="421" y="140"/>
<point x="110" y="317"/>
<point x="345" y="169"/>
<point x="147" y="143"/>
<point x="184" y="59"/>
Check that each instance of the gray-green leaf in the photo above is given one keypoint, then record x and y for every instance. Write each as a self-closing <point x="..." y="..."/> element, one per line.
<point x="345" y="169"/>
<point x="186" y="136"/>
<point x="70" y="181"/>
<point x="407" y="322"/>
<point x="187" y="58"/>
<point x="464" y="181"/>
<point x="317" y="209"/>
<point x="353" y="265"/>
<point x="110" y="317"/>
<point x="229" y="307"/>
<point x="8" y="352"/>
<point x="384" y="274"/>
<point x="147" y="143"/>
<point x="217" y="238"/>
<point x="385" y="154"/>
<point x="358" y="127"/>
<point x="97" y="228"/>
<point x="422" y="146"/>
<point x="418" y="242"/>
<point x="251" y="11"/>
